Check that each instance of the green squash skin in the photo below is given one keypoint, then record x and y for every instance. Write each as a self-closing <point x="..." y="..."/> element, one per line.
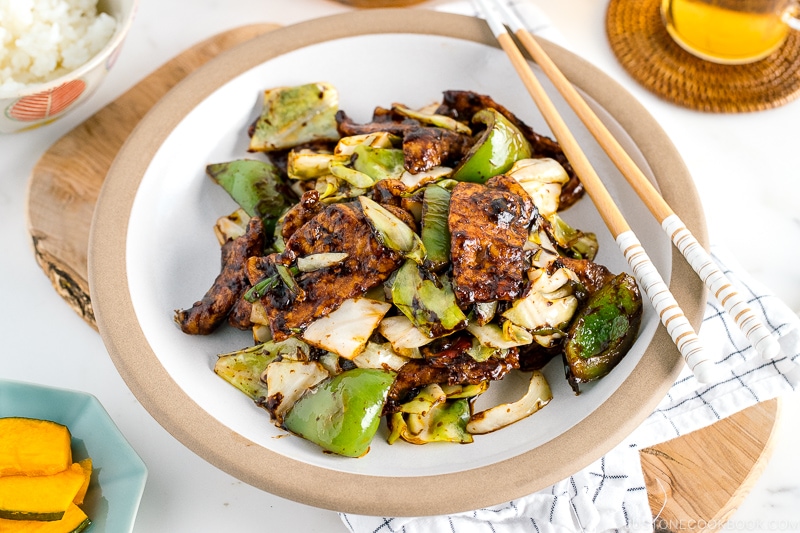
<point x="604" y="329"/>
<point x="495" y="152"/>
<point x="342" y="414"/>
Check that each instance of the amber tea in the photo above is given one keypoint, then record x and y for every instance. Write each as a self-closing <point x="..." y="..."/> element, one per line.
<point x="730" y="31"/>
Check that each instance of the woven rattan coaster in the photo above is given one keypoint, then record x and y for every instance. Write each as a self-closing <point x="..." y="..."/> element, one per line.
<point x="645" y="49"/>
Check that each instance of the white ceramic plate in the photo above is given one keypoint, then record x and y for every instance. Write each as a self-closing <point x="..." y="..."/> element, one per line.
<point x="153" y="251"/>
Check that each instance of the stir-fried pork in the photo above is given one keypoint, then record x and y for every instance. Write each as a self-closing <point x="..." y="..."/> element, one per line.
<point x="340" y="228"/>
<point x="591" y="275"/>
<point x="462" y="105"/>
<point x="488" y="227"/>
<point x="424" y="147"/>
<point x="229" y="286"/>
<point x="307" y="208"/>
<point x="452" y="366"/>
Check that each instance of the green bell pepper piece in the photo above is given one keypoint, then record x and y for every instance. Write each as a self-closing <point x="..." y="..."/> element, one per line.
<point x="603" y="330"/>
<point x="495" y="151"/>
<point x="257" y="187"/>
<point x="342" y="413"/>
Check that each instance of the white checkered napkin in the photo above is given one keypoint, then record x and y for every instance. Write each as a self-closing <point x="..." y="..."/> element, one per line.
<point x="607" y="495"/>
<point x="748" y="378"/>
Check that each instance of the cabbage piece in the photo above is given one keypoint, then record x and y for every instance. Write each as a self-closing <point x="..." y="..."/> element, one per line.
<point x="378" y="163"/>
<point x="393" y="232"/>
<point x="404" y="337"/>
<point x="431" y="417"/>
<point x="430" y="306"/>
<point x="573" y="242"/>
<point x="296" y="115"/>
<point x="230" y="227"/>
<point x="378" y="139"/>
<point x="287" y="380"/>
<point x="352" y="176"/>
<point x="308" y="164"/>
<point x="346" y="330"/>
<point x="500" y="416"/>
<point x="379" y="355"/>
<point x="432" y="119"/>
<point x="415" y="181"/>
<point x="244" y="368"/>
<point x="494" y="336"/>
<point x="313" y="262"/>
<point x="548" y="307"/>
<point x="257" y="186"/>
<point x="542" y="179"/>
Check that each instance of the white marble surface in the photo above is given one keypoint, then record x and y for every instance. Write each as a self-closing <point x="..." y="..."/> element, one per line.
<point x="745" y="167"/>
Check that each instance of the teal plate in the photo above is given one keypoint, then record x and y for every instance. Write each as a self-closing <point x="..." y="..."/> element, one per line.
<point x="118" y="476"/>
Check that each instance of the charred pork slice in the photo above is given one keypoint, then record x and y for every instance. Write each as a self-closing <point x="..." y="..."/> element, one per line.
<point x="339" y="228"/>
<point x="307" y="208"/>
<point x="462" y="105"/>
<point x="229" y="286"/>
<point x="452" y="366"/>
<point x="488" y="227"/>
<point x="424" y="147"/>
<point x="591" y="275"/>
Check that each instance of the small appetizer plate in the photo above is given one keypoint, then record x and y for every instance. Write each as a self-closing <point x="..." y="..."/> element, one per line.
<point x="118" y="474"/>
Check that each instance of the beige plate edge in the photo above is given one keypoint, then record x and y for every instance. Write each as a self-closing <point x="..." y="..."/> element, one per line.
<point x="374" y="495"/>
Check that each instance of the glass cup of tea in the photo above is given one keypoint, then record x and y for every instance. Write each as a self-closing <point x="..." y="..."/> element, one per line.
<point x="730" y="31"/>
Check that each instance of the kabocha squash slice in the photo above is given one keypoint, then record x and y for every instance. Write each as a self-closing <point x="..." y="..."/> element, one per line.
<point x="86" y="464"/>
<point x="73" y="521"/>
<point x="40" y="497"/>
<point x="33" y="447"/>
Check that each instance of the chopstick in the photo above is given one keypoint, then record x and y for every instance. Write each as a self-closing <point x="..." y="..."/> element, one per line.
<point x="719" y="285"/>
<point x="670" y="313"/>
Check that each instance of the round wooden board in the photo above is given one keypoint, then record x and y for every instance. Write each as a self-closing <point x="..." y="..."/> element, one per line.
<point x="694" y="482"/>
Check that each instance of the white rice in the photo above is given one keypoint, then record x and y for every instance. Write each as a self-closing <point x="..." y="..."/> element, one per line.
<point x="44" y="39"/>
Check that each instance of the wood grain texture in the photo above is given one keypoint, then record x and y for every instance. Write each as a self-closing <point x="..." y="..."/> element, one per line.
<point x="66" y="181"/>
<point x="694" y="482"/>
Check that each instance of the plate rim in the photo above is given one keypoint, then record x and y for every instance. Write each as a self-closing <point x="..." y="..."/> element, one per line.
<point x="265" y="469"/>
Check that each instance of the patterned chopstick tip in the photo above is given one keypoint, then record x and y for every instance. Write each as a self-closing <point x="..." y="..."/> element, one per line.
<point x="669" y="312"/>
<point x="722" y="289"/>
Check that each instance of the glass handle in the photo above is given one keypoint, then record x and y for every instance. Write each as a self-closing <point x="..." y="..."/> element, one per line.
<point x="792" y="15"/>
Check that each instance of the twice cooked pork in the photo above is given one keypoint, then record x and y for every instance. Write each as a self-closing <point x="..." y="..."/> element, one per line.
<point x="453" y="366"/>
<point x="338" y="228"/>
<point x="229" y="286"/>
<point x="424" y="147"/>
<point x="462" y="105"/>
<point x="489" y="226"/>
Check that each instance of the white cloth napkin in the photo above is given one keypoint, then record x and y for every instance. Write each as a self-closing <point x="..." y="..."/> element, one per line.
<point x="610" y="494"/>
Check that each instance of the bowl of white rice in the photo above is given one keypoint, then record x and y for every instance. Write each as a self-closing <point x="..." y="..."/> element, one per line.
<point x="54" y="54"/>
